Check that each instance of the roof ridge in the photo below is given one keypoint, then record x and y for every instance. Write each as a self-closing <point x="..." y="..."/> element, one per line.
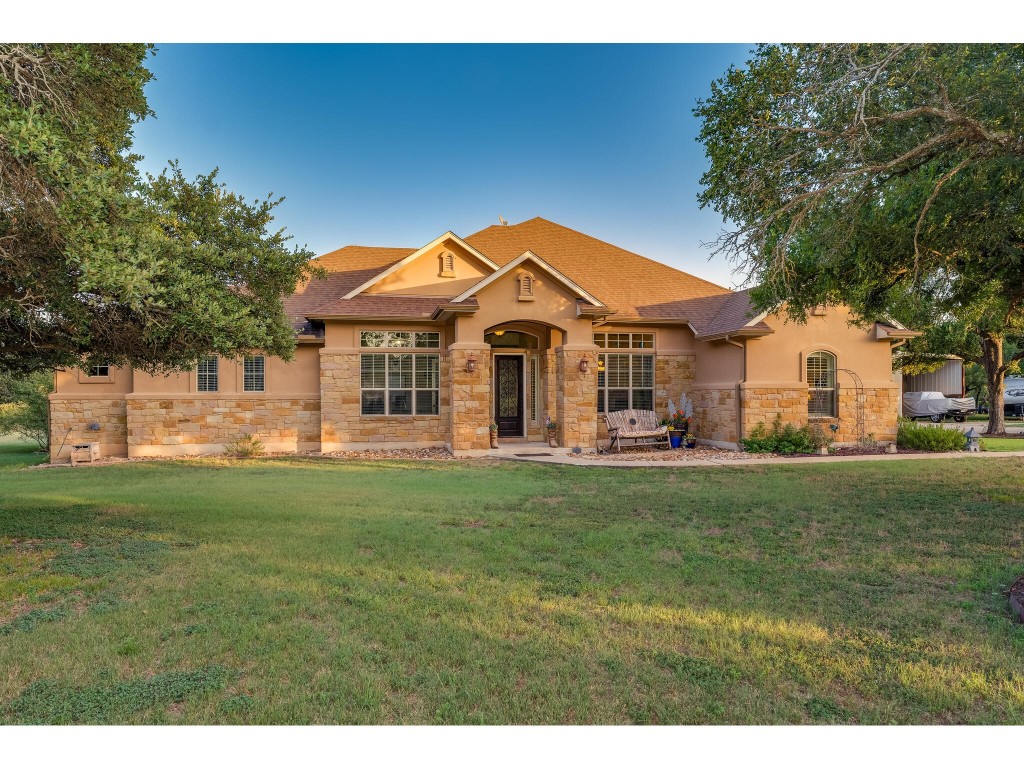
<point x="613" y="245"/>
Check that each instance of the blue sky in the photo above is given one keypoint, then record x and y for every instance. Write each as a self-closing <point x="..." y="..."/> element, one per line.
<point x="394" y="144"/>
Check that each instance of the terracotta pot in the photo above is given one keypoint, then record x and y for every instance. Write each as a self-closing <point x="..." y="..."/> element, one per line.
<point x="552" y="438"/>
<point x="494" y="439"/>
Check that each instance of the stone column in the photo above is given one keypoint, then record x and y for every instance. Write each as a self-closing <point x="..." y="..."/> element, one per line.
<point x="470" y="397"/>
<point x="576" y="397"/>
<point x="339" y="398"/>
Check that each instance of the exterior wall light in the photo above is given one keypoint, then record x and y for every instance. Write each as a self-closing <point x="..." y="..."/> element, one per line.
<point x="584" y="365"/>
<point x="471" y="363"/>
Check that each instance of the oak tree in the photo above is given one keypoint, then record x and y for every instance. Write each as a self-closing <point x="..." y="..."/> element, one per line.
<point x="865" y="173"/>
<point x="99" y="263"/>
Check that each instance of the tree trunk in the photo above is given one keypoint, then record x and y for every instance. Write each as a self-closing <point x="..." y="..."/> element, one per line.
<point x="995" y="371"/>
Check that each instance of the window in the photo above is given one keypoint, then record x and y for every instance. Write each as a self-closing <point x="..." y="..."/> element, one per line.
<point x="253" y="373"/>
<point x="96" y="371"/>
<point x="821" y="384"/>
<point x="627" y="381"/>
<point x="400" y="384"/>
<point x="400" y="339"/>
<point x="624" y="340"/>
<point x="534" y="387"/>
<point x="206" y="375"/>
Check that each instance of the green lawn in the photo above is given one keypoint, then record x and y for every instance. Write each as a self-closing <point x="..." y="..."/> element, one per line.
<point x="1002" y="444"/>
<point x="304" y="591"/>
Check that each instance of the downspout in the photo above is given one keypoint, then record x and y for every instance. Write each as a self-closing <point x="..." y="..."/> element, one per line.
<point x="739" y="389"/>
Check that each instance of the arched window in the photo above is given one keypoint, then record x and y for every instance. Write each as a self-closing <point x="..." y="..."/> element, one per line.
<point x="821" y="384"/>
<point x="447" y="264"/>
<point x="526" y="282"/>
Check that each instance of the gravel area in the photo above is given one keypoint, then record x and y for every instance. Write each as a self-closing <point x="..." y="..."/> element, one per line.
<point x="700" y="453"/>
<point x="432" y="454"/>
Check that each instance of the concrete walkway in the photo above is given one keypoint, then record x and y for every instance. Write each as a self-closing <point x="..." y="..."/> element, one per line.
<point x="576" y="461"/>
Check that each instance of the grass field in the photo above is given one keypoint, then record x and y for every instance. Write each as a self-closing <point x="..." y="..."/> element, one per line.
<point x="304" y="591"/>
<point x="1002" y="444"/>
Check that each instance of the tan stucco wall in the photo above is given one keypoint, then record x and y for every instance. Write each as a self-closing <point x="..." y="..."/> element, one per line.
<point x="780" y="358"/>
<point x="344" y="334"/>
<point x="76" y="381"/>
<point x="421" y="277"/>
<point x="551" y="305"/>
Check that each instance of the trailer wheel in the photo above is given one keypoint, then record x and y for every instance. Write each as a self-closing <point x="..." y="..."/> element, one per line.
<point x="936" y="418"/>
<point x="961" y="419"/>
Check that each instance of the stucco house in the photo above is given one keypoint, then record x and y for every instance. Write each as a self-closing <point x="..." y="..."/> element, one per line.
<point x="521" y="324"/>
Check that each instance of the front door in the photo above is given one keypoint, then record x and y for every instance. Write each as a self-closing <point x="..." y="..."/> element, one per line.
<point x="508" y="398"/>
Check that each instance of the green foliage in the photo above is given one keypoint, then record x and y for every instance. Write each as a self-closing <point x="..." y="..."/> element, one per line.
<point x="244" y="447"/>
<point x="884" y="176"/>
<point x="928" y="437"/>
<point x="97" y="262"/>
<point x="24" y="406"/>
<point x="780" y="438"/>
<point x="52" y="702"/>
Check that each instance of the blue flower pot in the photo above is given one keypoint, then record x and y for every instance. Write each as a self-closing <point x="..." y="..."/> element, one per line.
<point x="675" y="440"/>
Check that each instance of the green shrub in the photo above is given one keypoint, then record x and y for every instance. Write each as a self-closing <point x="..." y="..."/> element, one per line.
<point x="929" y="437"/>
<point x="244" y="447"/>
<point x="24" y="406"/>
<point x="779" y="439"/>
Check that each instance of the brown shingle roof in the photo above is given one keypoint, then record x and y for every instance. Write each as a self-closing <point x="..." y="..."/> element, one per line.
<point x="634" y="286"/>
<point x="347" y="268"/>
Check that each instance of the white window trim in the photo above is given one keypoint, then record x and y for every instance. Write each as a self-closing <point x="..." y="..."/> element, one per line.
<point x="263" y="373"/>
<point x="216" y="373"/>
<point x="630" y="354"/>
<point x="387" y="388"/>
<point x="412" y="348"/>
<point x="834" y="389"/>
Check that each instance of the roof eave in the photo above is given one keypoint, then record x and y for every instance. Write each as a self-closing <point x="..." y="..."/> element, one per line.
<point x="747" y="333"/>
<point x="446" y="312"/>
<point x="375" y="318"/>
<point x="885" y="332"/>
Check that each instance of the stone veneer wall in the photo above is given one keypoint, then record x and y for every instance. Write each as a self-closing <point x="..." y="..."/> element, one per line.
<point x="343" y="427"/>
<point x="714" y="414"/>
<point x="70" y="418"/>
<point x="577" y="399"/>
<point x="880" y="410"/>
<point x="470" y="396"/>
<point x="177" y="426"/>
<point x="673" y="374"/>
<point x="762" y="403"/>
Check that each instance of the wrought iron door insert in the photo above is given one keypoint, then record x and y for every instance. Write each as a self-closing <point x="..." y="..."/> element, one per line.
<point x="508" y="397"/>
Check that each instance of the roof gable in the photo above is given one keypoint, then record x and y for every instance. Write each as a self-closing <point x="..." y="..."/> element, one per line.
<point x="632" y="285"/>
<point x="528" y="258"/>
<point x="447" y="237"/>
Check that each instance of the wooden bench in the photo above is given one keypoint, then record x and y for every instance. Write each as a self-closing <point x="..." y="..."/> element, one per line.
<point x="641" y="427"/>
<point x="84" y="452"/>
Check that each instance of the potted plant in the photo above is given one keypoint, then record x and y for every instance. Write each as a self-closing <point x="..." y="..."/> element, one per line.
<point x="494" y="435"/>
<point x="678" y="427"/>
<point x="691" y="441"/>
<point x="552" y="436"/>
